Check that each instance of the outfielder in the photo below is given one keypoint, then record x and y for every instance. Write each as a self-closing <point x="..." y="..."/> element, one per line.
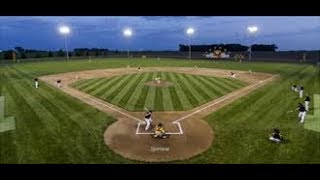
<point x="306" y="102"/>
<point x="301" y="91"/>
<point x="302" y="112"/>
<point x="148" y="119"/>
<point x="36" y="82"/>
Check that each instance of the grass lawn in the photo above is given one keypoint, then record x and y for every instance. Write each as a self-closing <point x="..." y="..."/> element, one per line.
<point x="188" y="91"/>
<point x="52" y="127"/>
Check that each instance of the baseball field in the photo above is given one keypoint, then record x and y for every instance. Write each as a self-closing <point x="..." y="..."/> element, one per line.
<point x="97" y="114"/>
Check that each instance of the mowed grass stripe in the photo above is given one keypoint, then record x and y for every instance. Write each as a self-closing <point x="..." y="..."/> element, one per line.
<point x="214" y="85"/>
<point x="231" y="83"/>
<point x="192" y="89"/>
<point x="139" y="105"/>
<point x="193" y="97"/>
<point x="59" y="116"/>
<point x="32" y="128"/>
<point x="71" y="131"/>
<point x="149" y="102"/>
<point x="210" y="87"/>
<point x="65" y="104"/>
<point x="166" y="95"/>
<point x="8" y="150"/>
<point x="109" y="97"/>
<point x="206" y="95"/>
<point x="94" y="85"/>
<point x="271" y="114"/>
<point x="100" y="90"/>
<point x="158" y="100"/>
<point x="223" y="85"/>
<point x="176" y="103"/>
<point x="220" y="86"/>
<point x="1" y="80"/>
<point x="236" y="81"/>
<point x="178" y="95"/>
<point x="127" y="92"/>
<point x="29" y="97"/>
<point x="228" y="84"/>
<point x="205" y="87"/>
<point x="87" y="84"/>
<point x="130" y="104"/>
<point x="60" y="102"/>
<point x="120" y="92"/>
<point x="108" y="89"/>
<point x="41" y="124"/>
<point x="78" y="83"/>
<point x="255" y="104"/>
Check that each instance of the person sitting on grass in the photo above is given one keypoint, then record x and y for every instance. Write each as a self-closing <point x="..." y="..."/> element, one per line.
<point x="160" y="132"/>
<point x="276" y="136"/>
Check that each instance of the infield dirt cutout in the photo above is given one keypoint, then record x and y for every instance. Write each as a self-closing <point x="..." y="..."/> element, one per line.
<point x="190" y="134"/>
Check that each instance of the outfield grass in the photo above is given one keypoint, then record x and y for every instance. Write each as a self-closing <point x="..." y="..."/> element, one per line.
<point x="53" y="127"/>
<point x="188" y="91"/>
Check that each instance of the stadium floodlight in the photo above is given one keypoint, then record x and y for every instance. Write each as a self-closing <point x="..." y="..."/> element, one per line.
<point x="65" y="30"/>
<point x="190" y="32"/>
<point x="127" y="33"/>
<point x="251" y="30"/>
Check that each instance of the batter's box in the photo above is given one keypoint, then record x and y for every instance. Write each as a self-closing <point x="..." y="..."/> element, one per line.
<point x="176" y="124"/>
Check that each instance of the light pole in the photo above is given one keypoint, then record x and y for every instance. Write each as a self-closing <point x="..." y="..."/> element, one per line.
<point x="190" y="32"/>
<point x="127" y="33"/>
<point x="65" y="30"/>
<point x="252" y="30"/>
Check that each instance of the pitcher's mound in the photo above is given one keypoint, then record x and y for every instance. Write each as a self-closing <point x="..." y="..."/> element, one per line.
<point x="163" y="83"/>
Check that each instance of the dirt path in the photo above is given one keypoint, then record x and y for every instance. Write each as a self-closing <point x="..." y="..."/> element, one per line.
<point x="191" y="135"/>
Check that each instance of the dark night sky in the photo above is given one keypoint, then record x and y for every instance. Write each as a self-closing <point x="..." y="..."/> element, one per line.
<point x="158" y="32"/>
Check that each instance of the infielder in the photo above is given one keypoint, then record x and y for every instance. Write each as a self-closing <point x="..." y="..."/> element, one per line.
<point x="302" y="112"/>
<point x="233" y="75"/>
<point x="148" y="119"/>
<point x="301" y="91"/>
<point x="59" y="83"/>
<point x="306" y="102"/>
<point x="36" y="82"/>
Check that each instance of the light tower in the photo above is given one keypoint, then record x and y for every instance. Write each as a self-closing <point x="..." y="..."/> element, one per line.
<point x="252" y="30"/>
<point x="190" y="32"/>
<point x="127" y="33"/>
<point x="65" y="30"/>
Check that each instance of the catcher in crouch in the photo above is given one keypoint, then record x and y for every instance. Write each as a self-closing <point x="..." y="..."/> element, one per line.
<point x="160" y="132"/>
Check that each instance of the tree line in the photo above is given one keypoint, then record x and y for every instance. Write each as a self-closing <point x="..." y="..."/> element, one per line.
<point x="228" y="47"/>
<point x="22" y="53"/>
